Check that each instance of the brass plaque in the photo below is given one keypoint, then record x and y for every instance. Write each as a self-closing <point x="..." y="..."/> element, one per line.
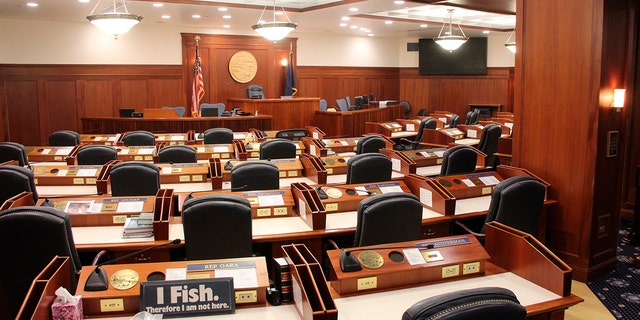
<point x="331" y="207"/>
<point x="78" y="180"/>
<point x="292" y="173"/>
<point x="124" y="279"/>
<point x="263" y="212"/>
<point x="370" y="259"/>
<point x="280" y="211"/>
<point x="111" y="305"/>
<point x="197" y="177"/>
<point x="243" y="66"/>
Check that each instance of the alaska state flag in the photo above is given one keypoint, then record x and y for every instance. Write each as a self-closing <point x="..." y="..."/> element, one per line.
<point x="290" y="82"/>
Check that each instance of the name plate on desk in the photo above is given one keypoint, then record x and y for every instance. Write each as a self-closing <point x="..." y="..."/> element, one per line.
<point x="188" y="297"/>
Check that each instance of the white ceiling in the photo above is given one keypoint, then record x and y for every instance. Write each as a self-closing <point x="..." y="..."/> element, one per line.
<point x="379" y="18"/>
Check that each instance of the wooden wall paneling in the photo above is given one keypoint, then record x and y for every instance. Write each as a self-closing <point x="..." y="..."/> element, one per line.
<point x="389" y="89"/>
<point x="59" y="109"/>
<point x="4" y="127"/>
<point x="166" y="92"/>
<point x="134" y="93"/>
<point x="309" y="87"/>
<point x="330" y="88"/>
<point x="22" y="112"/>
<point x="97" y="98"/>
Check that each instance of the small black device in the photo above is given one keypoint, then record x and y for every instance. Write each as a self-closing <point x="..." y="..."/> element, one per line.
<point x="209" y="112"/>
<point x="126" y="113"/>
<point x="348" y="262"/>
<point x="321" y="193"/>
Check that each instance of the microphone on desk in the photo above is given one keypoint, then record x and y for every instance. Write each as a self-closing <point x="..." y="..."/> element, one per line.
<point x="98" y="280"/>
<point x="349" y="263"/>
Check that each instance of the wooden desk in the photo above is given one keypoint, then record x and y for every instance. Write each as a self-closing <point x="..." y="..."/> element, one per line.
<point x="48" y="153"/>
<point x="118" y="125"/>
<point x="351" y="123"/>
<point x="286" y="113"/>
<point x="106" y="139"/>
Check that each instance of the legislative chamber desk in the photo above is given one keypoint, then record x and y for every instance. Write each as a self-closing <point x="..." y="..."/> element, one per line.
<point x="287" y="113"/>
<point x="200" y="124"/>
<point x="352" y="123"/>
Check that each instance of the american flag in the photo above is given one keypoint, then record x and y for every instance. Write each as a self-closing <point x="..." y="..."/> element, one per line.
<point x="197" y="90"/>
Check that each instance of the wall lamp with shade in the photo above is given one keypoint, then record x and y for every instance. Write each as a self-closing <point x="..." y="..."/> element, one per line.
<point x="275" y="30"/>
<point x="110" y="20"/>
<point x="511" y="45"/>
<point x="447" y="39"/>
<point x="618" y="99"/>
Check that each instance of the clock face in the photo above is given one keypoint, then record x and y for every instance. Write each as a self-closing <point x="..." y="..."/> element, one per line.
<point x="124" y="279"/>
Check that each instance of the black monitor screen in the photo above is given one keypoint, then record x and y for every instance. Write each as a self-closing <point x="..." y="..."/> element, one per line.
<point x="209" y="112"/>
<point x="470" y="58"/>
<point x="126" y="113"/>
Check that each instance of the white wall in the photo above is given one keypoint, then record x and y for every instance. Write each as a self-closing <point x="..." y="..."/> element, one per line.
<point x="40" y="42"/>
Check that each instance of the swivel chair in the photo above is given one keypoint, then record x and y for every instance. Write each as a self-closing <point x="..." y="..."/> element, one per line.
<point x="139" y="138"/>
<point x="180" y="110"/>
<point x="387" y="218"/>
<point x="64" y="138"/>
<point x="177" y="154"/>
<point x="406" y="144"/>
<point x="16" y="179"/>
<point x="342" y="104"/>
<point x="407" y="107"/>
<point x="484" y="303"/>
<point x="96" y="154"/>
<point x="370" y="144"/>
<point x="134" y="178"/>
<point x="277" y="149"/>
<point x="217" y="226"/>
<point x="368" y="167"/>
<point x="43" y="233"/>
<point x="472" y="117"/>
<point x="458" y="160"/>
<point x="218" y="136"/>
<point x="255" y="91"/>
<point x="454" y="121"/>
<point x="323" y="105"/>
<point x="13" y="151"/>
<point x="212" y="109"/>
<point x="489" y="143"/>
<point x="255" y="175"/>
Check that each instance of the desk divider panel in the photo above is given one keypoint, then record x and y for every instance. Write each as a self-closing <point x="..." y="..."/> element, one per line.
<point x="311" y="294"/>
<point x="524" y="255"/>
<point x="313" y="168"/>
<point x="215" y="172"/>
<point x="259" y="134"/>
<point x="314" y="146"/>
<point x="310" y="207"/>
<point x="22" y="199"/>
<point x="102" y="182"/>
<point x="400" y="162"/>
<point x="315" y="132"/>
<point x="41" y="294"/>
<point x="161" y="212"/>
<point x="431" y="194"/>
<point x="240" y="150"/>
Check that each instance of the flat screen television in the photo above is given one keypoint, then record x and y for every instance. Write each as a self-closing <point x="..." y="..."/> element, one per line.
<point x="470" y="58"/>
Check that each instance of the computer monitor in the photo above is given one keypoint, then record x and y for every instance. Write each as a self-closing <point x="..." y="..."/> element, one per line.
<point x="126" y="113"/>
<point x="209" y="112"/>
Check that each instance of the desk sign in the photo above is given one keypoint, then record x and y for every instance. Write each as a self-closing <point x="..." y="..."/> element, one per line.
<point x="181" y="298"/>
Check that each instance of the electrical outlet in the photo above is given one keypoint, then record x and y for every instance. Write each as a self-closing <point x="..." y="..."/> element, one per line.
<point x="471" y="267"/>
<point x="450" y="271"/>
<point x="247" y="296"/>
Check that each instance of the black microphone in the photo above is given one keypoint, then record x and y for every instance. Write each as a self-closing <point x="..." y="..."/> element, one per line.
<point x="97" y="280"/>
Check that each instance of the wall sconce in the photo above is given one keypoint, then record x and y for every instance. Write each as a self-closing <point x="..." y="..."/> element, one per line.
<point x="284" y="62"/>
<point x="618" y="99"/>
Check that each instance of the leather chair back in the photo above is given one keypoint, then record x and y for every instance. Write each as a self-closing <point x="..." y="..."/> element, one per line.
<point x="517" y="202"/>
<point x="484" y="303"/>
<point x="139" y="138"/>
<point x="467" y="119"/>
<point x="255" y="91"/>
<point x="292" y="134"/>
<point x="387" y="218"/>
<point x="368" y="167"/>
<point x="177" y="154"/>
<point x="31" y="237"/>
<point x="64" y="138"/>
<point x="219" y="106"/>
<point x="370" y="144"/>
<point x="134" y="178"/>
<point x="323" y="105"/>
<point x="96" y="154"/>
<point x="277" y="149"/>
<point x="217" y="226"/>
<point x="454" y="121"/>
<point x="13" y="151"/>
<point x="255" y="175"/>
<point x="426" y="123"/>
<point x="475" y="117"/>
<point x="458" y="160"/>
<point x="218" y="136"/>
<point x="342" y="104"/>
<point x="489" y="142"/>
<point x="16" y="179"/>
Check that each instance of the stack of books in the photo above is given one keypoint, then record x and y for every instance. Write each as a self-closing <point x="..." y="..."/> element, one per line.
<point x="138" y="227"/>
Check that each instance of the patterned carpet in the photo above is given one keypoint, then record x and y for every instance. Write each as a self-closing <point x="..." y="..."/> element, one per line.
<point x="619" y="291"/>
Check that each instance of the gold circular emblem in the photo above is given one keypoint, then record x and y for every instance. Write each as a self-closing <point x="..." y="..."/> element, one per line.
<point x="334" y="193"/>
<point x="124" y="279"/>
<point x="243" y="66"/>
<point x="370" y="259"/>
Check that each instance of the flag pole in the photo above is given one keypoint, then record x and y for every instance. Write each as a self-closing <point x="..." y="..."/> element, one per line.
<point x="197" y="90"/>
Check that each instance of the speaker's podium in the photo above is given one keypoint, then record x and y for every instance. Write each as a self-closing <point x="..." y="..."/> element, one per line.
<point x="122" y="297"/>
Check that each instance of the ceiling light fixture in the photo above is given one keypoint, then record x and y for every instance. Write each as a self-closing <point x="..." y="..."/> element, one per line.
<point x="511" y="45"/>
<point x="275" y="30"/>
<point x="446" y="39"/>
<point x="112" y="21"/>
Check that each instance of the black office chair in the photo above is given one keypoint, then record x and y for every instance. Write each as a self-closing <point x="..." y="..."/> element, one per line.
<point x="255" y="175"/>
<point x="407" y="107"/>
<point x="484" y="303"/>
<point x="218" y="136"/>
<point x="16" y="179"/>
<point x="489" y="143"/>
<point x="212" y="109"/>
<point x="472" y="117"/>
<point x="64" y="138"/>
<point x="422" y="112"/>
<point x="139" y="138"/>
<point x="454" y="120"/>
<point x="96" y="154"/>
<point x="387" y="218"/>
<point x="177" y="154"/>
<point x="277" y="149"/>
<point x="516" y="202"/>
<point x="370" y="144"/>
<point x="368" y="167"/>
<point x="295" y="134"/>
<point x="406" y="144"/>
<point x="134" y="178"/>
<point x="31" y="237"/>
<point x="255" y="91"/>
<point x="458" y="160"/>
<point x="217" y="226"/>
<point x="13" y="151"/>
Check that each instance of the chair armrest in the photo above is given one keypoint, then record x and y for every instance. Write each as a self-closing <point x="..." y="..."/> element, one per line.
<point x="467" y="229"/>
